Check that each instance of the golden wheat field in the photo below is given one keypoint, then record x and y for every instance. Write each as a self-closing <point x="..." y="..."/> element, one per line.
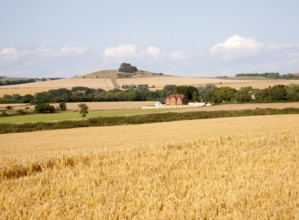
<point x="228" y="168"/>
<point x="259" y="84"/>
<point x="158" y="81"/>
<point x="31" y="88"/>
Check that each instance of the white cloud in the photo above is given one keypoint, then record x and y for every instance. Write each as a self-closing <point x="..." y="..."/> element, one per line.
<point x="153" y="51"/>
<point x="126" y="50"/>
<point x="10" y="53"/>
<point x="178" y="55"/>
<point x="236" y="47"/>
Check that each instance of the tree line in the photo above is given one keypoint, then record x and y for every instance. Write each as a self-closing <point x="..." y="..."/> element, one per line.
<point x="16" y="81"/>
<point x="208" y="93"/>
<point x="271" y="75"/>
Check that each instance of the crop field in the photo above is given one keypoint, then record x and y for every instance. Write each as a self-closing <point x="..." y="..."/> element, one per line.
<point x="158" y="81"/>
<point x="31" y="88"/>
<point x="178" y="170"/>
<point x="259" y="84"/>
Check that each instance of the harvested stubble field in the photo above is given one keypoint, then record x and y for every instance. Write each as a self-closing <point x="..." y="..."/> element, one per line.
<point x="158" y="81"/>
<point x="32" y="88"/>
<point x="259" y="84"/>
<point x="231" y="168"/>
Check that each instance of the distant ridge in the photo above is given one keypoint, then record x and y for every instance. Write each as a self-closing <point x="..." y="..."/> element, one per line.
<point x="115" y="74"/>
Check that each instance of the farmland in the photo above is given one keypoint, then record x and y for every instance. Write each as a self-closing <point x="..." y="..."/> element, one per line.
<point x="32" y="88"/>
<point x="109" y="82"/>
<point x="188" y="169"/>
<point x="130" y="165"/>
<point x="111" y="109"/>
<point x="53" y="117"/>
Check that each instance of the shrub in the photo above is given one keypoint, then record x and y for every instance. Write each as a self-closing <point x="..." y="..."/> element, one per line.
<point x="21" y="112"/>
<point x="62" y="106"/>
<point x="44" y="108"/>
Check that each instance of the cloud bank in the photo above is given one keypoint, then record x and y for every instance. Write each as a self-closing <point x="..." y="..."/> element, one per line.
<point x="236" y="47"/>
<point x="226" y="58"/>
<point x="122" y="51"/>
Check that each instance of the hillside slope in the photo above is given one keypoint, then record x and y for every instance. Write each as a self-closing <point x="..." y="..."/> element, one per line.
<point x="113" y="74"/>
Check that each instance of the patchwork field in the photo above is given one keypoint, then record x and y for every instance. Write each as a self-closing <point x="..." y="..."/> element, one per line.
<point x="177" y="170"/>
<point x="158" y="81"/>
<point x="110" y="109"/>
<point x="73" y="106"/>
<point x="54" y="117"/>
<point x="259" y="84"/>
<point x="92" y="105"/>
<point x="31" y="88"/>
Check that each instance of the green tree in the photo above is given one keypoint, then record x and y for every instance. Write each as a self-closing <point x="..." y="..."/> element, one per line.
<point x="244" y="94"/>
<point x="188" y="91"/>
<point x="43" y="97"/>
<point x="206" y="92"/>
<point x="278" y="93"/>
<point x="293" y="93"/>
<point x="27" y="98"/>
<point x="195" y="96"/>
<point x="83" y="110"/>
<point x="127" y="68"/>
<point x="62" y="106"/>
<point x="223" y="94"/>
<point x="44" y="108"/>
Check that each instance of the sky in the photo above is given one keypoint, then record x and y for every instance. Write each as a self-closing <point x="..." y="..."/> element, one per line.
<point x="65" y="38"/>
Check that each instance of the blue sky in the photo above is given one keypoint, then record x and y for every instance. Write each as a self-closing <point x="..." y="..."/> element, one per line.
<point x="188" y="38"/>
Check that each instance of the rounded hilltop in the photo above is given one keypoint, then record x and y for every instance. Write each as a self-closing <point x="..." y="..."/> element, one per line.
<point x="125" y="70"/>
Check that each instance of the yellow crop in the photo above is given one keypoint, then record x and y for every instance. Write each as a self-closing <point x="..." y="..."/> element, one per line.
<point x="249" y="177"/>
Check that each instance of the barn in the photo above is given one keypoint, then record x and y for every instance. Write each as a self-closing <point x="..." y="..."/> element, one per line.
<point x="176" y="99"/>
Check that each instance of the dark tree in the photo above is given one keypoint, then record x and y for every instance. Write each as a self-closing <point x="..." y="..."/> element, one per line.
<point x="188" y="91"/>
<point x="44" y="108"/>
<point x="83" y="110"/>
<point x="244" y="94"/>
<point x="62" y="106"/>
<point x="127" y="68"/>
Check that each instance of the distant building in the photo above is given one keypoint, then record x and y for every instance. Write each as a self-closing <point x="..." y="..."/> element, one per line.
<point x="176" y="99"/>
<point x="160" y="103"/>
<point x="129" y="86"/>
<point x="144" y="86"/>
<point x="133" y="86"/>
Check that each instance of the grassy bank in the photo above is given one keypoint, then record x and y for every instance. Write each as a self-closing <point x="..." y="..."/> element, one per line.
<point x="64" y="116"/>
<point x="139" y="119"/>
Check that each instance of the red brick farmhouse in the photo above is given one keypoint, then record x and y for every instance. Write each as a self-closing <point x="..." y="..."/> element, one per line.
<point x="177" y="99"/>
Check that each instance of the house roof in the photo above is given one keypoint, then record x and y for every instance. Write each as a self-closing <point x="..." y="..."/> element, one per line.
<point x="177" y="96"/>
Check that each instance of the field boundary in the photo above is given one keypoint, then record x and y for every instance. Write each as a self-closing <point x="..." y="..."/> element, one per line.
<point x="139" y="119"/>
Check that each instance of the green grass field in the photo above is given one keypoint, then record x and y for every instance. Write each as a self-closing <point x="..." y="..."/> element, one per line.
<point x="75" y="115"/>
